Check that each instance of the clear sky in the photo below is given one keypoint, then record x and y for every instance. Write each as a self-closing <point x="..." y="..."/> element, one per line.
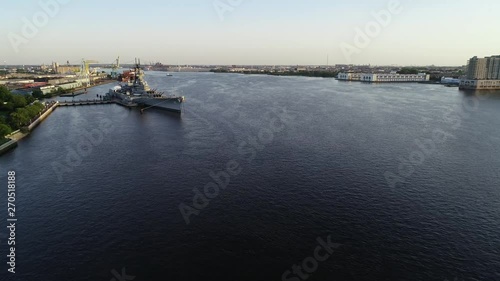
<point x="425" y="32"/>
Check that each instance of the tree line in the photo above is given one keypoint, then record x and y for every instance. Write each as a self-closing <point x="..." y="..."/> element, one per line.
<point x="16" y="111"/>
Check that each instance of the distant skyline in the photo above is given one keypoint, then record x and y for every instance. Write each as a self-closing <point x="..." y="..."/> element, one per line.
<point x="249" y="32"/>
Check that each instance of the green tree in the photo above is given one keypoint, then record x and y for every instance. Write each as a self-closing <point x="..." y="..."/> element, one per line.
<point x="8" y="106"/>
<point x="29" y="99"/>
<point x="19" y="118"/>
<point x="408" y="70"/>
<point x="4" y="130"/>
<point x="34" y="109"/>
<point x="18" y="101"/>
<point x="38" y="94"/>
<point x="15" y="120"/>
<point x="5" y="94"/>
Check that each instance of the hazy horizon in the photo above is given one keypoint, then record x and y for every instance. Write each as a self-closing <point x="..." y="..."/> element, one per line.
<point x="249" y="32"/>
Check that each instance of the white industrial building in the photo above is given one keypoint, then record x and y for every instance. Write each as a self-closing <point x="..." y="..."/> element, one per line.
<point x="383" y="77"/>
<point x="47" y="89"/>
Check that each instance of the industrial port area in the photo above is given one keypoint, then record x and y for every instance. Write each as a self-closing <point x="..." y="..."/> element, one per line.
<point x="67" y="79"/>
<point x="44" y="81"/>
<point x="250" y="140"/>
<point x="31" y="83"/>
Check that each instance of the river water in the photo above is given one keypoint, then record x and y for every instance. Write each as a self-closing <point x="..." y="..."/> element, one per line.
<point x="404" y="177"/>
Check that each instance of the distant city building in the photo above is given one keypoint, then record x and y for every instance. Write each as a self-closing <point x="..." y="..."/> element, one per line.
<point x="383" y="77"/>
<point x="67" y="69"/>
<point x="482" y="73"/>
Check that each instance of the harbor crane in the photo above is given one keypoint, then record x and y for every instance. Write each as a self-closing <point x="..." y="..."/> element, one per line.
<point x="85" y="70"/>
<point x="114" y="67"/>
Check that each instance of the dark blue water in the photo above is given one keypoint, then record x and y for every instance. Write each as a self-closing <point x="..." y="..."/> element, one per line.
<point x="315" y="157"/>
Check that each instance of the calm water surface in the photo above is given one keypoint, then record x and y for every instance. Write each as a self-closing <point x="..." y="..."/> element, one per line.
<point x="325" y="172"/>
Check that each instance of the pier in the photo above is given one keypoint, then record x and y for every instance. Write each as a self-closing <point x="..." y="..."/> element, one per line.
<point x="50" y="107"/>
<point x="84" y="102"/>
<point x="95" y="102"/>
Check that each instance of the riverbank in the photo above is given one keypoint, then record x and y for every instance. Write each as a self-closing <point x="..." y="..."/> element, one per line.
<point x="321" y="74"/>
<point x="4" y="148"/>
<point x="395" y="82"/>
<point x="16" y="136"/>
<point x="12" y="140"/>
<point x="312" y="73"/>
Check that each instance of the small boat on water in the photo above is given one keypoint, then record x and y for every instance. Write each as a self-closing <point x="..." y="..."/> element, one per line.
<point x="168" y="74"/>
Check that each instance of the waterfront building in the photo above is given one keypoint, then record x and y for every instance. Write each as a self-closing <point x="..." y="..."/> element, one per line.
<point x="493" y="67"/>
<point x="475" y="84"/>
<point x="450" y="80"/>
<point x="482" y="74"/>
<point x="383" y="77"/>
<point x="476" y="68"/>
<point x="47" y="89"/>
<point x="349" y="76"/>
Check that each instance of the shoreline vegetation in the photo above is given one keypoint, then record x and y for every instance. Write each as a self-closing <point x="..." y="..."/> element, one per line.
<point x="17" y="111"/>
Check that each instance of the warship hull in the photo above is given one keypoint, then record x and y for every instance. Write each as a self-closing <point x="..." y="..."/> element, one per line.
<point x="169" y="104"/>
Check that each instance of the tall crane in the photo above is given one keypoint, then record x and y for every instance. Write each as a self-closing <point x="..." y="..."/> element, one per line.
<point x="114" y="67"/>
<point x="85" y="70"/>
